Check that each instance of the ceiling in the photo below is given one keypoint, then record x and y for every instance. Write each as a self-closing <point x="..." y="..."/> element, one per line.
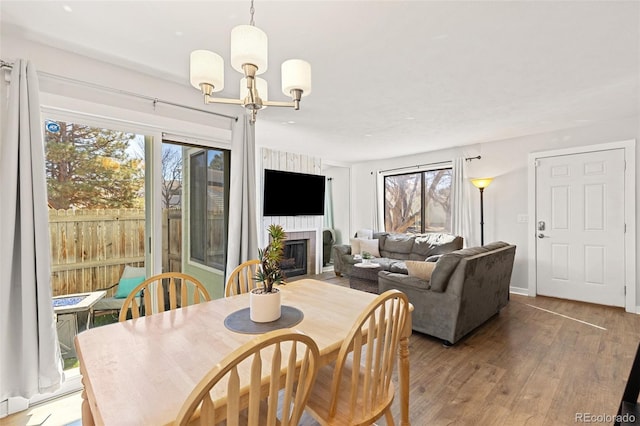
<point x="390" y="78"/>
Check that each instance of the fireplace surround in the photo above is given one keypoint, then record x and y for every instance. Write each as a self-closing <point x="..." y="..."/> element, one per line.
<point x="310" y="238"/>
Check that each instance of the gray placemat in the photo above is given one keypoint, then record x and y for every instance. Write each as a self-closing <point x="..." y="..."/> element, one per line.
<point x="240" y="322"/>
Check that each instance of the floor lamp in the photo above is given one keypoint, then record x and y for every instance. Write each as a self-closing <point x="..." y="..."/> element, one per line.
<point x="481" y="184"/>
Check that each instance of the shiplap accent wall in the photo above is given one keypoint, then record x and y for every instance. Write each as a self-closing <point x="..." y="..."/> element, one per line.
<point x="290" y="162"/>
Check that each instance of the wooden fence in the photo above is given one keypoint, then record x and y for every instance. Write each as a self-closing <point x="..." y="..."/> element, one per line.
<point x="89" y="248"/>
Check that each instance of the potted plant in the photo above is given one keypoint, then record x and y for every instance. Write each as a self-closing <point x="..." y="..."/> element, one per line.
<point x="366" y="257"/>
<point x="264" y="301"/>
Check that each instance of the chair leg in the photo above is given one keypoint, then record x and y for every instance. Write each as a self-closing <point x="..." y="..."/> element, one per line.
<point x="388" y="417"/>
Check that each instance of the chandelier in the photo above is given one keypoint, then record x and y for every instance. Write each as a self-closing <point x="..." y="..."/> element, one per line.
<point x="249" y="57"/>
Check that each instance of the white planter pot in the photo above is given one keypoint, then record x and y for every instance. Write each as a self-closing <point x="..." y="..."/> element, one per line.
<point x="264" y="307"/>
<point x="366" y="260"/>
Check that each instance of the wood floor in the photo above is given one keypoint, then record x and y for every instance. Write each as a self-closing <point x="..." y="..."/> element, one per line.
<point x="541" y="361"/>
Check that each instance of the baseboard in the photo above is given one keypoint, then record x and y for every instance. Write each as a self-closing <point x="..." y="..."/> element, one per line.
<point x="519" y="290"/>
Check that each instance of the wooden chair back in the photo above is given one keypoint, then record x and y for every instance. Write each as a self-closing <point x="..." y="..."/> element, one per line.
<point x="629" y="405"/>
<point x="171" y="290"/>
<point x="359" y="390"/>
<point x="241" y="278"/>
<point x="284" y="359"/>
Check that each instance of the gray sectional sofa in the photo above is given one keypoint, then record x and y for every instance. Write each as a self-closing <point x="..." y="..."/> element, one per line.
<point x="466" y="288"/>
<point x="395" y="248"/>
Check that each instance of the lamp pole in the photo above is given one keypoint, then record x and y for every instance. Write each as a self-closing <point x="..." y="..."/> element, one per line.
<point x="481" y="184"/>
<point x="481" y="217"/>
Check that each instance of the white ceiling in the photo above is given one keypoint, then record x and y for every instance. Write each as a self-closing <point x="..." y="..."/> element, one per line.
<point x="390" y="78"/>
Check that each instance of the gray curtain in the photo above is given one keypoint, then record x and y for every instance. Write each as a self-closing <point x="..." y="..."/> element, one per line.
<point x="328" y="204"/>
<point x="461" y="203"/>
<point x="378" y="201"/>
<point x="30" y="361"/>
<point x="243" y="234"/>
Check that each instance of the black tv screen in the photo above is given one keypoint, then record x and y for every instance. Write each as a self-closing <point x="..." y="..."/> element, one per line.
<point x="293" y="194"/>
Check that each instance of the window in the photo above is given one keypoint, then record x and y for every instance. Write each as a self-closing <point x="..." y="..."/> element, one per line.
<point x="208" y="206"/>
<point x="418" y="202"/>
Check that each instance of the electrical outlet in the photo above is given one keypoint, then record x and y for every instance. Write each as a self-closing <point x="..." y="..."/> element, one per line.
<point x="523" y="218"/>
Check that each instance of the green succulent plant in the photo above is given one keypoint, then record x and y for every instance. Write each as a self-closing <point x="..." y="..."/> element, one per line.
<point x="270" y="257"/>
<point x="367" y="255"/>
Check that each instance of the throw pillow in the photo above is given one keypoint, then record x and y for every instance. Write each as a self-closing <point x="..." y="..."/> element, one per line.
<point x="126" y="285"/>
<point x="418" y="269"/>
<point x="365" y="233"/>
<point x="356" y="245"/>
<point x="370" y="246"/>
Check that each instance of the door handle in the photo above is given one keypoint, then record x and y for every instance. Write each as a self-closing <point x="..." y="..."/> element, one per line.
<point x="541" y="235"/>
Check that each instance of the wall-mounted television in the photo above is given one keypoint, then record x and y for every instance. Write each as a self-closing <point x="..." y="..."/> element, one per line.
<point x="292" y="194"/>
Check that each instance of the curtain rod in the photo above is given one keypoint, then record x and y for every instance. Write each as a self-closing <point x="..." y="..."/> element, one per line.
<point x="5" y="64"/>
<point x="426" y="164"/>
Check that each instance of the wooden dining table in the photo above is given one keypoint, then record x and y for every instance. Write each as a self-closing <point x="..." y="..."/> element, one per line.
<point x="140" y="371"/>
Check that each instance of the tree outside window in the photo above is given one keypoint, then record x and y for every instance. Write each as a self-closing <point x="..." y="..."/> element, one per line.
<point x="418" y="202"/>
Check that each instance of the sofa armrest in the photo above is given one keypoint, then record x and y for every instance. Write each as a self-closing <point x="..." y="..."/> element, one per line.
<point x="338" y="251"/>
<point x="341" y="249"/>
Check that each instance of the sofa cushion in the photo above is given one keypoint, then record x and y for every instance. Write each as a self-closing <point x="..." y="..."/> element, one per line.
<point x="364" y="233"/>
<point x="443" y="270"/>
<point x="422" y="270"/>
<point x="434" y="243"/>
<point x="398" y="267"/>
<point x="397" y="246"/>
<point x="126" y="286"/>
<point x="471" y="251"/>
<point x="495" y="245"/>
<point x="370" y="246"/>
<point x="385" y="262"/>
<point x="449" y="261"/>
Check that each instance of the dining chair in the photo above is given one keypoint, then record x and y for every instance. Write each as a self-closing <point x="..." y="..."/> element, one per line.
<point x="241" y="278"/>
<point x="279" y="369"/>
<point x="171" y="290"/>
<point x="629" y="409"/>
<point x="358" y="389"/>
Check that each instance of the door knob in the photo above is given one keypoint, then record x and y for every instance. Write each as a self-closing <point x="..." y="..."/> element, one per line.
<point x="541" y="235"/>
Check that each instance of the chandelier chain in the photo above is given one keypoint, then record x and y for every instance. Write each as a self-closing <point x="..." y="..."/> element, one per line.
<point x="252" y="11"/>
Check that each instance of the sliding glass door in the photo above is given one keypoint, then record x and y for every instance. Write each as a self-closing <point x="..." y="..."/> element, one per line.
<point x="97" y="215"/>
<point x="195" y="194"/>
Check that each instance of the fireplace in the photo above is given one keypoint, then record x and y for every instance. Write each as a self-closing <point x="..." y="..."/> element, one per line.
<point x="299" y="259"/>
<point x="294" y="259"/>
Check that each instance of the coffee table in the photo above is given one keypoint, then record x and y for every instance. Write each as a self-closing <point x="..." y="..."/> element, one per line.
<point x="364" y="277"/>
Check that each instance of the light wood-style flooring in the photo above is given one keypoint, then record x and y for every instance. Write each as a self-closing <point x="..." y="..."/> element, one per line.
<point x="541" y="361"/>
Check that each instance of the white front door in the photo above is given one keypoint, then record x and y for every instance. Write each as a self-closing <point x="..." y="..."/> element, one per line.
<point x="580" y="247"/>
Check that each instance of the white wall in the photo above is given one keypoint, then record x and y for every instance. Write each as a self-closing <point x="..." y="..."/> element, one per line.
<point x="48" y="60"/>
<point x="506" y="198"/>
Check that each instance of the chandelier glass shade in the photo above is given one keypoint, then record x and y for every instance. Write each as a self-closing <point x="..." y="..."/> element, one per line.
<point x="249" y="52"/>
